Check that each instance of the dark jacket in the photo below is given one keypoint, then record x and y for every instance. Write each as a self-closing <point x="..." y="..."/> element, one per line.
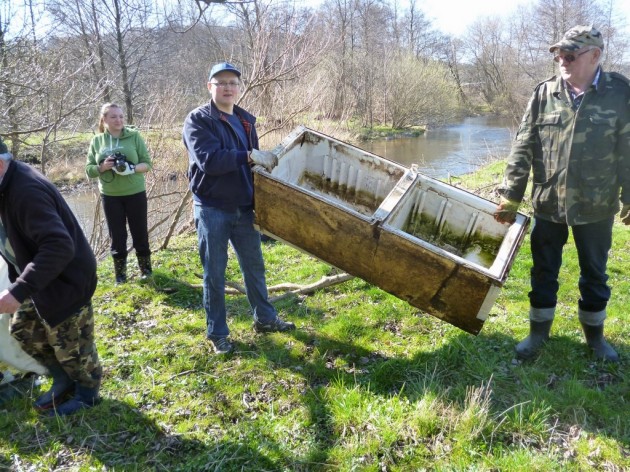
<point x="58" y="268"/>
<point x="218" y="171"/>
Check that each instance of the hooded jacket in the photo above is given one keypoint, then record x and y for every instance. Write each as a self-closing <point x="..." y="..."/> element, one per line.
<point x="218" y="172"/>
<point x="133" y="147"/>
<point x="57" y="266"/>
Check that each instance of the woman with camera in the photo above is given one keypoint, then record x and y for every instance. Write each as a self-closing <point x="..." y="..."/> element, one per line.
<point x="118" y="157"/>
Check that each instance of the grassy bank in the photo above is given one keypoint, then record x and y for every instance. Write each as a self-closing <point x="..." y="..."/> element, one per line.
<point x="365" y="383"/>
<point x="387" y="132"/>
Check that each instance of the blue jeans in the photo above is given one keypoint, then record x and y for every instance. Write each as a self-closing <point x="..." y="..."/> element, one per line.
<point x="215" y="228"/>
<point x="592" y="241"/>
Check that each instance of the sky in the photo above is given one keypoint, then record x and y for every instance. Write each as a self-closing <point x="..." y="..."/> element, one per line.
<point x="454" y="16"/>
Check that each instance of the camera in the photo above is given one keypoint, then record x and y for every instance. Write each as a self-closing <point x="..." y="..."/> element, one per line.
<point x="120" y="161"/>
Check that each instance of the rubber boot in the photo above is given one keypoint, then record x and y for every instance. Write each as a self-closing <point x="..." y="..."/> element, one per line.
<point x="538" y="336"/>
<point x="593" y="326"/>
<point x="62" y="387"/>
<point x="144" y="264"/>
<point x="540" y="321"/>
<point x="84" y="397"/>
<point x="120" y="269"/>
<point x="595" y="339"/>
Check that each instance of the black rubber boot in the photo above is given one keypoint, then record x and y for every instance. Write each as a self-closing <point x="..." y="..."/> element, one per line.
<point x="595" y="339"/>
<point x="85" y="397"/>
<point x="62" y="387"/>
<point x="120" y="269"/>
<point x="538" y="336"/>
<point x="144" y="264"/>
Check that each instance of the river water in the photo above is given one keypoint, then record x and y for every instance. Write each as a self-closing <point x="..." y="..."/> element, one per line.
<point x="451" y="150"/>
<point x="440" y="152"/>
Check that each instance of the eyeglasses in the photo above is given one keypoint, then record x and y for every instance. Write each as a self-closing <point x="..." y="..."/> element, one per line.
<point x="226" y="84"/>
<point x="569" y="58"/>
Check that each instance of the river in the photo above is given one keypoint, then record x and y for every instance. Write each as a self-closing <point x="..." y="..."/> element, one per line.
<point x="450" y="150"/>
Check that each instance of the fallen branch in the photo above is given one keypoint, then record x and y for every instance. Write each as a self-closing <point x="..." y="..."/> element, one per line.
<point x="233" y="288"/>
<point x="321" y="283"/>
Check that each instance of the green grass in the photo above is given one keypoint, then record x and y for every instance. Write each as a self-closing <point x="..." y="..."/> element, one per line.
<point x="381" y="132"/>
<point x="366" y="382"/>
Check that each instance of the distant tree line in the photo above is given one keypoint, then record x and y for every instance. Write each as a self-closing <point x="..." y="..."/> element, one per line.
<point x="350" y="62"/>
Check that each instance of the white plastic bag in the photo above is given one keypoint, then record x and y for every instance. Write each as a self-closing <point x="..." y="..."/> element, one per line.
<point x="11" y="352"/>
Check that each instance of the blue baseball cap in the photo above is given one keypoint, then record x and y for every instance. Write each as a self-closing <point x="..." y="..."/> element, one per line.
<point x="221" y="67"/>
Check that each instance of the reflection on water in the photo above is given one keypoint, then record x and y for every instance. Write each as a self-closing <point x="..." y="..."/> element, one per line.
<point x="164" y="198"/>
<point x="83" y="205"/>
<point x="451" y="150"/>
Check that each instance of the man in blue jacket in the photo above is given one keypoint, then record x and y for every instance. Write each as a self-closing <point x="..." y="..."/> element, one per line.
<point x="222" y="146"/>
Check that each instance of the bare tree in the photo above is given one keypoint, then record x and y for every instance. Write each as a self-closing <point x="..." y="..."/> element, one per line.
<point x="452" y="61"/>
<point x="420" y="36"/>
<point x="488" y="47"/>
<point x="279" y="47"/>
<point x="80" y="19"/>
<point x="120" y="37"/>
<point x="510" y="56"/>
<point x="41" y="91"/>
<point x="338" y="21"/>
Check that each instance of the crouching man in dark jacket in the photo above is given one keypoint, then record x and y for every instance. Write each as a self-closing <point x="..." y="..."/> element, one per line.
<point x="53" y="277"/>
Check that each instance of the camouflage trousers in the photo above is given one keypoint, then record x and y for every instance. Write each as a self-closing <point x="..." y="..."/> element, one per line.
<point x="69" y="345"/>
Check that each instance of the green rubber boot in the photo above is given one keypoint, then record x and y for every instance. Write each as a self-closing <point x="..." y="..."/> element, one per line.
<point x="540" y="321"/>
<point x="595" y="339"/>
<point x="538" y="336"/>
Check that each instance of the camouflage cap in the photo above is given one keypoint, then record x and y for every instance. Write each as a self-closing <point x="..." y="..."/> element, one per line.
<point x="579" y="37"/>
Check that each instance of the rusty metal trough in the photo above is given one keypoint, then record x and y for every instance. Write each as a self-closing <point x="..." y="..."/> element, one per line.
<point x="424" y="241"/>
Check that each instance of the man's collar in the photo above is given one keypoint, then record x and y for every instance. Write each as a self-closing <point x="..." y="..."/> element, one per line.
<point x="598" y="75"/>
<point x="594" y="84"/>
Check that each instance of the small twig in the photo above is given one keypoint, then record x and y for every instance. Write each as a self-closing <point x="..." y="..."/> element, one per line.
<point x="181" y="374"/>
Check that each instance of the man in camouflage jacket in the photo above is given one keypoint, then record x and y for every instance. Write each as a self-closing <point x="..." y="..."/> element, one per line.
<point x="575" y="140"/>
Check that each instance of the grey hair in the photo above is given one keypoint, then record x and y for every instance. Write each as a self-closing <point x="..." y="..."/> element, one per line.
<point x="7" y="156"/>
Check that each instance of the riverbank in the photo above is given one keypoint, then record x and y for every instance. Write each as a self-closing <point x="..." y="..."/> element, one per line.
<point x="370" y="134"/>
<point x="448" y="150"/>
<point x="67" y="168"/>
